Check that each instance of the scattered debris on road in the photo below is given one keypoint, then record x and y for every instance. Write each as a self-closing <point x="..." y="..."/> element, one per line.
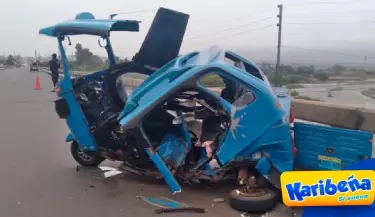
<point x="167" y="205"/>
<point x="218" y="200"/>
<point x="162" y="202"/>
<point x="110" y="171"/>
<point x="181" y="209"/>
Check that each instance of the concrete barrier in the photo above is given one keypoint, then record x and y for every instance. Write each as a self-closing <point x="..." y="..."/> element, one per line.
<point x="335" y="115"/>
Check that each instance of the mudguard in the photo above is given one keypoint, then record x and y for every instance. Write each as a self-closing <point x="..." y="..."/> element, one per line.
<point x="69" y="138"/>
<point x="330" y="148"/>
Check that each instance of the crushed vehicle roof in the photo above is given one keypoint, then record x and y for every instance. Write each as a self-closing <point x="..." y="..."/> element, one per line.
<point x="169" y="77"/>
<point x="175" y="68"/>
<point x="86" y="24"/>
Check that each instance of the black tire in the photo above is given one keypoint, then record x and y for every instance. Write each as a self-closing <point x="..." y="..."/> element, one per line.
<point x="94" y="158"/>
<point x="256" y="204"/>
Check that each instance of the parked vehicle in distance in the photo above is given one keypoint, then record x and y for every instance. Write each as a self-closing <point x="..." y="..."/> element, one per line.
<point x="34" y="67"/>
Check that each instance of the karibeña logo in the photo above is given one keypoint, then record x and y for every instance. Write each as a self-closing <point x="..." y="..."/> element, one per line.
<point x="328" y="188"/>
<point x="298" y="191"/>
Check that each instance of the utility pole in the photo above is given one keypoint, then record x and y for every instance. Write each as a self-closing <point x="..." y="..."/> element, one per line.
<point x="279" y="25"/>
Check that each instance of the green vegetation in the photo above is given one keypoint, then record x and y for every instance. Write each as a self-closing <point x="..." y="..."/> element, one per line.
<point x="294" y="75"/>
<point x="294" y="93"/>
<point x="336" y="89"/>
<point x="86" y="61"/>
<point x="12" y="60"/>
<point x="293" y="86"/>
<point x="290" y="76"/>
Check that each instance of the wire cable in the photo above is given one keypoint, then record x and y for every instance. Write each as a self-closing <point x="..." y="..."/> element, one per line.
<point x="135" y="12"/>
<point x="324" y="2"/>
<point x="258" y="11"/>
<point x="239" y="33"/>
<point x="327" y="12"/>
<point x="327" y="23"/>
<point x="231" y="28"/>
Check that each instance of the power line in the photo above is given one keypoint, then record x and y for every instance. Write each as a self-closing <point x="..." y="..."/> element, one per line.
<point x="136" y="12"/>
<point x="263" y="9"/>
<point x="324" y="2"/>
<point x="111" y="16"/>
<point x="239" y="33"/>
<point x="262" y="50"/>
<point x="231" y="28"/>
<point x="328" y="23"/>
<point x="325" y="51"/>
<point x="328" y="12"/>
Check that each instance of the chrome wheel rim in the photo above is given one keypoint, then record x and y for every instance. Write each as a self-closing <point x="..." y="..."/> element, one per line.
<point x="83" y="155"/>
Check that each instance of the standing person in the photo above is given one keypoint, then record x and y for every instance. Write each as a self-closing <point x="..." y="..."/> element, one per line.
<point x="54" y="66"/>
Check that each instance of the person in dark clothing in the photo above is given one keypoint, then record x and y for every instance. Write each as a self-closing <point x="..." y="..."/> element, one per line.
<point x="54" y="66"/>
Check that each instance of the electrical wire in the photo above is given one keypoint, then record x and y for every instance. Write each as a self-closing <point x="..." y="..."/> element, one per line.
<point x="327" y="23"/>
<point x="258" y="11"/>
<point x="231" y="28"/>
<point x="323" y="2"/>
<point x="239" y="33"/>
<point x="327" y="12"/>
<point x="135" y="12"/>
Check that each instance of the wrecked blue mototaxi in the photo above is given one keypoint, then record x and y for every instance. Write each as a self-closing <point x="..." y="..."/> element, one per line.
<point x="200" y="117"/>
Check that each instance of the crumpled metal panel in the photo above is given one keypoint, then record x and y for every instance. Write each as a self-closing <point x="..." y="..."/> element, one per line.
<point x="330" y="148"/>
<point x="173" y="150"/>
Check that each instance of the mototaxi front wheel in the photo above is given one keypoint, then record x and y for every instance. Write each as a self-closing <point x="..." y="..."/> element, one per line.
<point x="85" y="159"/>
<point x="257" y="202"/>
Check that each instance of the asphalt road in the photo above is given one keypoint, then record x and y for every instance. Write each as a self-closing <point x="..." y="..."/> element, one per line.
<point x="39" y="177"/>
<point x="350" y="95"/>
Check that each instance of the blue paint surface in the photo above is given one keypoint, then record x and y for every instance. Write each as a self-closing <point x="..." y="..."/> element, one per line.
<point x="69" y="138"/>
<point x="76" y="120"/>
<point x="173" y="150"/>
<point x="348" y="146"/>
<point x="164" y="171"/>
<point x="86" y="24"/>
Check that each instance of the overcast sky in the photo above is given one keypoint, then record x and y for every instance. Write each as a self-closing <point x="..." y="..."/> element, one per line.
<point x="323" y="24"/>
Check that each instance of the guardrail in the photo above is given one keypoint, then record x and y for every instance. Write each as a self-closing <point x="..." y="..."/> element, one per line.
<point x="319" y="112"/>
<point x="74" y="74"/>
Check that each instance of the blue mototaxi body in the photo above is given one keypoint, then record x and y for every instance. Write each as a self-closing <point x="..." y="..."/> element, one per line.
<point x="262" y="126"/>
<point x="83" y="24"/>
<point x="259" y="132"/>
<point x="86" y="24"/>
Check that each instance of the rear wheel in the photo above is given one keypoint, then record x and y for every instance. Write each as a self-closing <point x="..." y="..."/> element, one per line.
<point x="85" y="159"/>
<point x="259" y="201"/>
